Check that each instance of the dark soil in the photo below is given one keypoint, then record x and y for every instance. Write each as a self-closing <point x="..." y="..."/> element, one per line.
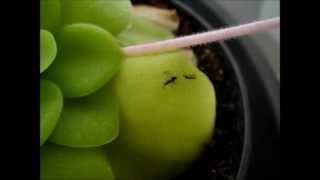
<point x="220" y="159"/>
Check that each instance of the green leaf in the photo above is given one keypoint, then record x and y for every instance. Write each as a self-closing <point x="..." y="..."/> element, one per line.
<point x="143" y="31"/>
<point x="51" y="102"/>
<point x="48" y="49"/>
<point x="50" y="14"/>
<point x="88" y="122"/>
<point x="89" y="57"/>
<point x="63" y="163"/>
<point x="112" y="15"/>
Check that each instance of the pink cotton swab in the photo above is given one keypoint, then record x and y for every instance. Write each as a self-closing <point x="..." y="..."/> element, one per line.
<point x="202" y="38"/>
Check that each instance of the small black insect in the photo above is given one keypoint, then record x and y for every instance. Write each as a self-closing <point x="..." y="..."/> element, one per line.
<point x="171" y="80"/>
<point x="190" y="76"/>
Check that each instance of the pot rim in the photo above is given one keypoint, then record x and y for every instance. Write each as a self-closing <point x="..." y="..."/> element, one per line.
<point x="199" y="11"/>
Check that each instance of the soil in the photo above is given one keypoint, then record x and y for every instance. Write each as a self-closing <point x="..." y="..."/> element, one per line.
<point x="220" y="159"/>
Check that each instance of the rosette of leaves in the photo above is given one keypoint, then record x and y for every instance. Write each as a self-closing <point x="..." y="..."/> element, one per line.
<point x="79" y="56"/>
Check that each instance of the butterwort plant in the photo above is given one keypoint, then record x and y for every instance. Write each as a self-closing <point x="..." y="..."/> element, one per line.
<point x="100" y="109"/>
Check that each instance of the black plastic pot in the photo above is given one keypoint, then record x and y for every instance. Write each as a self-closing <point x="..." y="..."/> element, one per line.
<point x="260" y="93"/>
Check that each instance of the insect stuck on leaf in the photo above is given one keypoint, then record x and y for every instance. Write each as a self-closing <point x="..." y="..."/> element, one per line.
<point x="172" y="79"/>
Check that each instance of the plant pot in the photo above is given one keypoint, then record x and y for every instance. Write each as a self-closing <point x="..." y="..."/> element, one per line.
<point x="258" y="93"/>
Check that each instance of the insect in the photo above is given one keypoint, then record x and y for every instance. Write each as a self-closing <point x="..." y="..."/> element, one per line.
<point x="171" y="80"/>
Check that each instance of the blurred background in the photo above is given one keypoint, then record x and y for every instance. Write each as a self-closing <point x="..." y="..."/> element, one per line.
<point x="242" y="11"/>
